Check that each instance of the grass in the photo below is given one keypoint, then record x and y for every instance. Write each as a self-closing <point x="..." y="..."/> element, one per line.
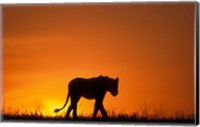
<point x="158" y="116"/>
<point x="118" y="118"/>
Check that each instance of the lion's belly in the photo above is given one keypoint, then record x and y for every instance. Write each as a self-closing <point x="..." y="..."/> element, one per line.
<point x="85" y="88"/>
<point x="88" y="94"/>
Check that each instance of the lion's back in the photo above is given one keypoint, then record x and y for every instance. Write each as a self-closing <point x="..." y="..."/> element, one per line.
<point x="85" y="87"/>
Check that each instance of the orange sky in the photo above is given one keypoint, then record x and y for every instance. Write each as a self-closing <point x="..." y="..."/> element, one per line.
<point x="150" y="47"/>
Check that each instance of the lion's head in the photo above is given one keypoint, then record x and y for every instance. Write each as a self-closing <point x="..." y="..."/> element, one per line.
<point x="112" y="85"/>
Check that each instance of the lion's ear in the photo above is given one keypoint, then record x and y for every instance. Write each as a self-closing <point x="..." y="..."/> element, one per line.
<point x="117" y="79"/>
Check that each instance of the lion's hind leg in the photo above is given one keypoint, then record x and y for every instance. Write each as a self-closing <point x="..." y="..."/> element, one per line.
<point x="68" y="111"/>
<point x="74" y="102"/>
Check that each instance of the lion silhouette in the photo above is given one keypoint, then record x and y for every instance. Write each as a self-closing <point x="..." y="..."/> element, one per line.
<point x="91" y="88"/>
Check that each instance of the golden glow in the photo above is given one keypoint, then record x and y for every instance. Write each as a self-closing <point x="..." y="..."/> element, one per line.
<point x="149" y="47"/>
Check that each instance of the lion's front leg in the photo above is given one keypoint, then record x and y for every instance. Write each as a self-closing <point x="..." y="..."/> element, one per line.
<point x="103" y="111"/>
<point x="96" y="108"/>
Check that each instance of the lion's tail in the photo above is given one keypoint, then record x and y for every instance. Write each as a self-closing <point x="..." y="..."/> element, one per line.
<point x="58" y="109"/>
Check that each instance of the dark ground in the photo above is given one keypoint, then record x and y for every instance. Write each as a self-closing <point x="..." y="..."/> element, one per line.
<point x="127" y="119"/>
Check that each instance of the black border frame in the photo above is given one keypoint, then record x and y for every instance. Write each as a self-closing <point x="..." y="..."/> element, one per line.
<point x="197" y="61"/>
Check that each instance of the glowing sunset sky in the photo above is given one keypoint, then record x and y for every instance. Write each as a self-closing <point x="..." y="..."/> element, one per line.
<point x="150" y="47"/>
